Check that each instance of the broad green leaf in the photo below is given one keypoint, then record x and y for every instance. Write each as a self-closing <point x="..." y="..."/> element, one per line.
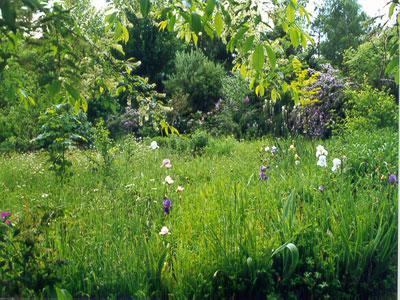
<point x="125" y="34"/>
<point x="260" y="90"/>
<point x="391" y="9"/>
<point x="119" y="48"/>
<point x="77" y="106"/>
<point x="145" y="7"/>
<point x="219" y="24"/>
<point x="188" y="36"/>
<point x="271" y="56"/>
<point x="210" y="7"/>
<point x="84" y="105"/>
<point x="303" y="40"/>
<point x="208" y="30"/>
<point x="258" y="57"/>
<point x="243" y="71"/>
<point x="171" y="23"/>
<point x="248" y="43"/>
<point x="237" y="37"/>
<point x="304" y="12"/>
<point x="285" y="27"/>
<point x="195" y="38"/>
<point x="290" y="13"/>
<point x="275" y="95"/>
<point x="392" y="66"/>
<point x="72" y="91"/>
<point x="54" y="88"/>
<point x="32" y="4"/>
<point x="251" y="84"/>
<point x="195" y="23"/>
<point x="294" y="37"/>
<point x="8" y="13"/>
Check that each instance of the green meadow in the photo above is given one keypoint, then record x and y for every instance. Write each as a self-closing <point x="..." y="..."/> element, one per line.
<point x="306" y="232"/>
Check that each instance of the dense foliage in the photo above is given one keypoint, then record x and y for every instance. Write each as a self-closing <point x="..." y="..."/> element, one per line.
<point x="198" y="149"/>
<point x="194" y="86"/>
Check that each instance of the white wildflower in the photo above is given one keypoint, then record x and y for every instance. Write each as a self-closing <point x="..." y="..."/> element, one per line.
<point x="321" y="151"/>
<point x="336" y="164"/>
<point x="164" y="230"/>
<point x="169" y="180"/>
<point x="322" y="161"/>
<point x="154" y="145"/>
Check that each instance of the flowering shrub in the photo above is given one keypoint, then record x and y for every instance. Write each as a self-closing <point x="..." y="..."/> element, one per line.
<point x="318" y="119"/>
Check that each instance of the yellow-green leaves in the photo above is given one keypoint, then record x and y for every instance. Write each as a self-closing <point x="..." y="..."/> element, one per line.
<point x="119" y="48"/>
<point x="275" y="95"/>
<point x="304" y="13"/>
<point x="163" y="24"/>
<point x="392" y="8"/>
<point x="290" y="13"/>
<point x="294" y="36"/>
<point x="260" y="90"/>
<point x="119" y="31"/>
<point x="271" y="56"/>
<point x="258" y="58"/>
<point x="219" y="24"/>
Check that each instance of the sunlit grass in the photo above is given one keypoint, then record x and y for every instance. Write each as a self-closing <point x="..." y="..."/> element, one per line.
<point x="225" y="225"/>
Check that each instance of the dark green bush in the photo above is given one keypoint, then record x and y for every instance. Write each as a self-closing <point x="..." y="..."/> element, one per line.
<point x="195" y="86"/>
<point x="29" y="262"/>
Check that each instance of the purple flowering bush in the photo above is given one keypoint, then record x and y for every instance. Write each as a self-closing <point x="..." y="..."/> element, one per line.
<point x="318" y="119"/>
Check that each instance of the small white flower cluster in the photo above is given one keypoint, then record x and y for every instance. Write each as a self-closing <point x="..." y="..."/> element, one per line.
<point x="154" y="145"/>
<point x="273" y="149"/>
<point x="321" y="154"/>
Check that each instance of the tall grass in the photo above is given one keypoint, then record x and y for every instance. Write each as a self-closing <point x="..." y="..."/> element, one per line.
<point x="232" y="235"/>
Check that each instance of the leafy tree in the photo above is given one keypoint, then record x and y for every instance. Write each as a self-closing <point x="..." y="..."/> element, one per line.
<point x="154" y="48"/>
<point x="369" y="60"/>
<point x="340" y="24"/>
<point x="61" y="130"/>
<point x="242" y="26"/>
<point x="369" y="109"/>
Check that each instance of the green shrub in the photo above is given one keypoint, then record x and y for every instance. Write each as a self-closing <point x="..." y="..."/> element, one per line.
<point x="199" y="140"/>
<point x="370" y="109"/>
<point x="62" y="129"/>
<point x="29" y="261"/>
<point x="196" y="84"/>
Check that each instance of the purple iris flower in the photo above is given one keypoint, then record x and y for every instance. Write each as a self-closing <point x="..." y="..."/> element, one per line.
<point x="167" y="205"/>
<point x="263" y="176"/>
<point x="263" y="169"/>
<point x="246" y="100"/>
<point x="392" y="179"/>
<point x="321" y="188"/>
<point x="274" y="150"/>
<point x="4" y="215"/>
